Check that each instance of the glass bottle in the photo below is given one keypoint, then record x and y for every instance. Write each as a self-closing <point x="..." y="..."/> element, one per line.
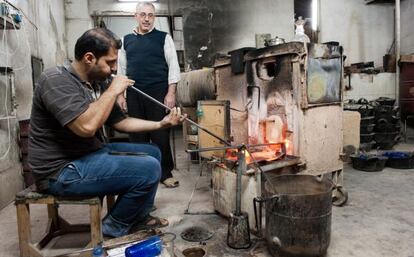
<point x="98" y="251"/>
<point x="300" y="35"/>
<point x="150" y="247"/>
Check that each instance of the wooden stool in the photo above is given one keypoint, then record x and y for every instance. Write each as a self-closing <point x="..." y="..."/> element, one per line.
<point x="56" y="225"/>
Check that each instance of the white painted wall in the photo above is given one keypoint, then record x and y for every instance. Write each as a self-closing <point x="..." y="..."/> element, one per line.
<point x="371" y="86"/>
<point x="111" y="6"/>
<point x="365" y="31"/>
<point x="78" y="21"/>
<point x="271" y="16"/>
<point x="45" y="39"/>
<point x="224" y="25"/>
<point x="407" y="28"/>
<point x="47" y="42"/>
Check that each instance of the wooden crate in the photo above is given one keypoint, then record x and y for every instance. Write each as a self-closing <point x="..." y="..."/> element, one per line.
<point x="214" y="116"/>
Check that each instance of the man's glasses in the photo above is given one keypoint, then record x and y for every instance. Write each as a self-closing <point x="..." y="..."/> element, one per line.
<point x="144" y="15"/>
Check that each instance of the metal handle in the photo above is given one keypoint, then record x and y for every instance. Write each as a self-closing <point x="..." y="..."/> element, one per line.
<point x="260" y="201"/>
<point x="240" y="170"/>
<point x="258" y="220"/>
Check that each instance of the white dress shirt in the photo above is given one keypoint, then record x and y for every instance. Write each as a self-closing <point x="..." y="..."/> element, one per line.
<point x="170" y="58"/>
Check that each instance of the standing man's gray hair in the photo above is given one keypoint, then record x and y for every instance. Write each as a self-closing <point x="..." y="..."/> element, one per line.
<point x="142" y="4"/>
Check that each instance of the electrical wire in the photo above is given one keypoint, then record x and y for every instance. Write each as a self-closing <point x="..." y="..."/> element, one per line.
<point x="8" y="54"/>
<point x="24" y="14"/>
<point x="6" y="153"/>
<point x="5" y="42"/>
<point x="27" y="62"/>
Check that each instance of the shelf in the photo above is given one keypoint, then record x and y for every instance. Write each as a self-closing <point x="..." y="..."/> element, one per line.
<point x="9" y="23"/>
<point x="379" y="1"/>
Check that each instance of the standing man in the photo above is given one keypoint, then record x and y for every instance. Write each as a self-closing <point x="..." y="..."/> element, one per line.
<point x="66" y="151"/>
<point x="149" y="57"/>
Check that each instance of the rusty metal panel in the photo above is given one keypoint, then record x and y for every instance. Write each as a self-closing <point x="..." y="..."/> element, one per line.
<point x="407" y="89"/>
<point x="324" y="80"/>
<point x="234" y="88"/>
<point x="224" y="193"/>
<point x="324" y="51"/>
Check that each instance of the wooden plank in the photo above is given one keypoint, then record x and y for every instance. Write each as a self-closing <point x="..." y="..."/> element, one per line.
<point x="53" y="214"/>
<point x="407" y="58"/>
<point x="24" y="229"/>
<point x="96" y="224"/>
<point x="34" y="251"/>
<point x="135" y="237"/>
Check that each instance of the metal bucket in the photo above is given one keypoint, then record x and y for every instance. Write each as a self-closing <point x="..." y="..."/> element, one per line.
<point x="298" y="215"/>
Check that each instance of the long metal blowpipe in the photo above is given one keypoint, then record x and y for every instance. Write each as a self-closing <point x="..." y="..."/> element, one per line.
<point x="186" y="119"/>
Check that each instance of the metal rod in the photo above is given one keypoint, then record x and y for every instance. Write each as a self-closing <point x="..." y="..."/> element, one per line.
<point x="280" y="163"/>
<point x="172" y="131"/>
<point x="397" y="50"/>
<point x="231" y="147"/>
<point x="240" y="169"/>
<point x="186" y="119"/>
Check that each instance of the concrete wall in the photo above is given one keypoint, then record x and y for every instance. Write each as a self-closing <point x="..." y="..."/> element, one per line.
<point x="45" y="39"/>
<point x="407" y="29"/>
<point x="211" y="26"/>
<point x="371" y="86"/>
<point x="365" y="31"/>
<point x="78" y="21"/>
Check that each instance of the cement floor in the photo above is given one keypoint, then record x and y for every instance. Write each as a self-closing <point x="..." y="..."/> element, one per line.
<point x="377" y="221"/>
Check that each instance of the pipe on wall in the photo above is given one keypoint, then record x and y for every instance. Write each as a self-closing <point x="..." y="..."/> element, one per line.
<point x="397" y="49"/>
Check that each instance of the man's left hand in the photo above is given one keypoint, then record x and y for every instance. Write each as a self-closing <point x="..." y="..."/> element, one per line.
<point x="173" y="118"/>
<point x="169" y="99"/>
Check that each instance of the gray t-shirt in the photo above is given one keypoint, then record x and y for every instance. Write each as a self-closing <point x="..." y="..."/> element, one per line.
<point x="60" y="97"/>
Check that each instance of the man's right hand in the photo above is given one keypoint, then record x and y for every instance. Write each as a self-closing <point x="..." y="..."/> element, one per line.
<point x="120" y="83"/>
<point x="173" y="118"/>
<point x="122" y="102"/>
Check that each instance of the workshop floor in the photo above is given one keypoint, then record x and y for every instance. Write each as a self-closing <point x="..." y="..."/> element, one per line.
<point x="377" y="221"/>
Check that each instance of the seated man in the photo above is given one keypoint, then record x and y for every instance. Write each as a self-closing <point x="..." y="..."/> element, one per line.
<point x="66" y="146"/>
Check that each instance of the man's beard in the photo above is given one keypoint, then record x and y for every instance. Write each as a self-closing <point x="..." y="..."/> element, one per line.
<point x="97" y="75"/>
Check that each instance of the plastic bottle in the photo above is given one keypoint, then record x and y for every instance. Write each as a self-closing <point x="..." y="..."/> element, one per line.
<point x="98" y="251"/>
<point x="148" y="248"/>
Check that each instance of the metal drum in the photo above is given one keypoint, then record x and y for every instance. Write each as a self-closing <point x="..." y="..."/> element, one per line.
<point x="196" y="85"/>
<point x="298" y="215"/>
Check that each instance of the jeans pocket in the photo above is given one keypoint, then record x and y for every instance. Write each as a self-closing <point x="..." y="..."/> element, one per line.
<point x="69" y="174"/>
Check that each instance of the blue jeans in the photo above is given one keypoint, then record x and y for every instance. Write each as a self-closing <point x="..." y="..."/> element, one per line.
<point x="134" y="178"/>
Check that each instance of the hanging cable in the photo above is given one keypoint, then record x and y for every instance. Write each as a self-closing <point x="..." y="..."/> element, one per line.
<point x="6" y="153"/>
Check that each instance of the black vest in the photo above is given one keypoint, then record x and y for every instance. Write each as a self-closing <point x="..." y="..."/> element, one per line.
<point x="146" y="60"/>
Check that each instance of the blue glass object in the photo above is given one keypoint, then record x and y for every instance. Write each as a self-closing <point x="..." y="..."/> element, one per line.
<point x="98" y="251"/>
<point x="396" y="155"/>
<point x="147" y="248"/>
<point x="17" y="18"/>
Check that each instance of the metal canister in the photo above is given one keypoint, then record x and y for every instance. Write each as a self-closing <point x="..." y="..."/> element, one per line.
<point x="298" y="215"/>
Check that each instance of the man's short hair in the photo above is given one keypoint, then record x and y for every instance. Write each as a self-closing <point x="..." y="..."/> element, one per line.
<point x="142" y="4"/>
<point x="97" y="41"/>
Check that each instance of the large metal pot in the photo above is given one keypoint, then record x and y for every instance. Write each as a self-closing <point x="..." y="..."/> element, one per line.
<point x="298" y="215"/>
